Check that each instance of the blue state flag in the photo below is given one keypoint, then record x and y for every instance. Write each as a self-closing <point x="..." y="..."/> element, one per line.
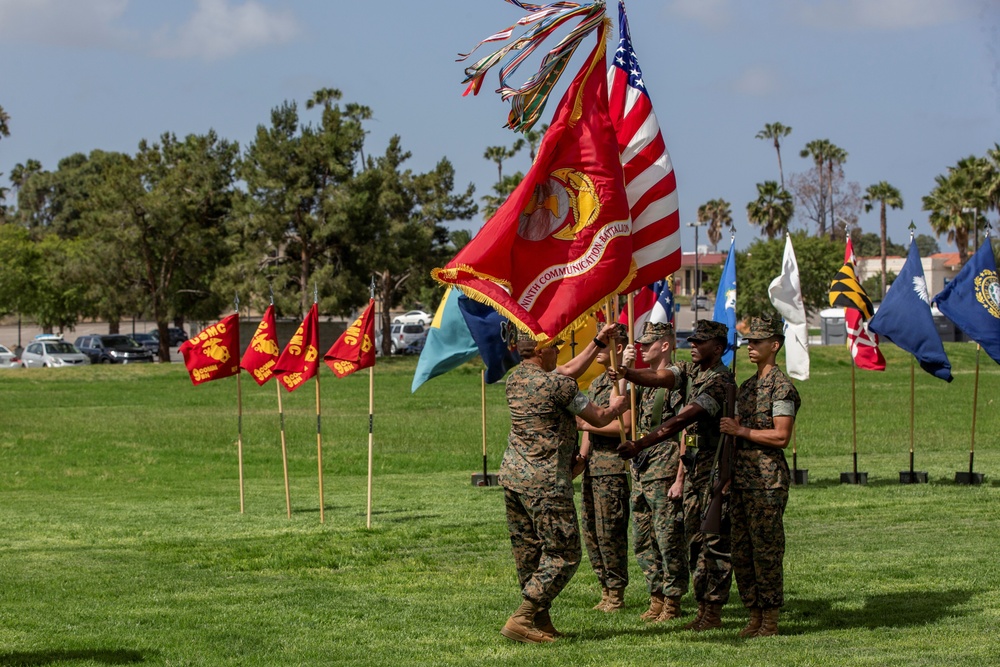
<point x="972" y="300"/>
<point x="488" y="330"/>
<point x="905" y="318"/>
<point x="725" y="303"/>
<point x="449" y="343"/>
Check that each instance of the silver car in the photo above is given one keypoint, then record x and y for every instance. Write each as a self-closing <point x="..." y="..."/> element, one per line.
<point x="53" y="354"/>
<point x="8" y="359"/>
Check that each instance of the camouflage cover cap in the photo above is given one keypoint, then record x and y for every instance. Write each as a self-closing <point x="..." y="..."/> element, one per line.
<point x="654" y="331"/>
<point x="765" y="326"/>
<point x="707" y="330"/>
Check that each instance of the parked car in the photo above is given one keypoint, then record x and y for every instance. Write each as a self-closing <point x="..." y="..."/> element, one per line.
<point x="403" y="339"/>
<point x="52" y="353"/>
<point x="8" y="359"/>
<point x="113" y="349"/>
<point x="682" y="339"/>
<point x="148" y="341"/>
<point x="701" y="301"/>
<point x="413" y="317"/>
<point x="176" y="334"/>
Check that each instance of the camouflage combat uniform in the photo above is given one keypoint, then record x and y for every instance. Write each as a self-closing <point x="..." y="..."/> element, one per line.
<point x="710" y="559"/>
<point x="660" y="540"/>
<point x="605" y="501"/>
<point x="760" y="492"/>
<point x="536" y="474"/>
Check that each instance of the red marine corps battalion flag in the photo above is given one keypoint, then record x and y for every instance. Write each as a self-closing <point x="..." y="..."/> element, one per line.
<point x="262" y="354"/>
<point x="355" y="349"/>
<point x="561" y="243"/>
<point x="300" y="358"/>
<point x="215" y="352"/>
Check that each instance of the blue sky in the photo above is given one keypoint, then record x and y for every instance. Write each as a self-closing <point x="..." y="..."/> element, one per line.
<point x="907" y="87"/>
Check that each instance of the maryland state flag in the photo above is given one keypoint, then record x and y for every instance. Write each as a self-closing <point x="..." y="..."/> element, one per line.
<point x="214" y="353"/>
<point x="355" y="349"/>
<point x="262" y="354"/>
<point x="846" y="292"/>
<point x="300" y="358"/>
<point x="561" y="243"/>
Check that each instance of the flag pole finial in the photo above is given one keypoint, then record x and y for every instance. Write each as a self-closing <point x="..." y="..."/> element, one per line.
<point x="912" y="227"/>
<point x="270" y="289"/>
<point x="236" y="302"/>
<point x="316" y="292"/>
<point x="371" y="288"/>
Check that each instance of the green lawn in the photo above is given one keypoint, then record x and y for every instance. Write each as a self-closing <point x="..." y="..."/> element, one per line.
<point x="121" y="540"/>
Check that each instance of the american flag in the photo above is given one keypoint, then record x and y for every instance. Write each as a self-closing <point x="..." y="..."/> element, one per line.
<point x="649" y="174"/>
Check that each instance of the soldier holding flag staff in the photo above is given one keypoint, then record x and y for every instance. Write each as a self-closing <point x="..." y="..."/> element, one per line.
<point x="703" y="382"/>
<point x="766" y="406"/>
<point x="536" y="474"/>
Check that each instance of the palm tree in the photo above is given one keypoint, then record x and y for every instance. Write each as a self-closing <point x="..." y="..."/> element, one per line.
<point x="498" y="154"/>
<point x="993" y="181"/>
<point x="955" y="192"/>
<point x="775" y="132"/>
<point x="534" y="138"/>
<point x="772" y="210"/>
<point x="4" y="120"/>
<point x="818" y="149"/>
<point x="835" y="156"/>
<point x="885" y="195"/>
<point x="716" y="212"/>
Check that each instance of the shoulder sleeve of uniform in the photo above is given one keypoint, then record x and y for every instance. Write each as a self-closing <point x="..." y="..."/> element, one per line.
<point x="565" y="390"/>
<point x="578" y="404"/>
<point x="783" y="408"/>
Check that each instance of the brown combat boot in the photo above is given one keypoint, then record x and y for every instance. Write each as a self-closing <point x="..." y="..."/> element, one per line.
<point x="712" y="618"/>
<point x="655" y="607"/>
<point x="696" y="621"/>
<point x="543" y="621"/>
<point x="604" y="600"/>
<point x="521" y="626"/>
<point x="768" y="623"/>
<point x="756" y="615"/>
<point x="671" y="609"/>
<point x="615" y="601"/>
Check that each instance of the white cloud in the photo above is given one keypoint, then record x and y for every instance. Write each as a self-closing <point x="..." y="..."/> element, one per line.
<point x="757" y="81"/>
<point x="219" y="29"/>
<point x="712" y="13"/>
<point x="75" y="23"/>
<point x="881" y="14"/>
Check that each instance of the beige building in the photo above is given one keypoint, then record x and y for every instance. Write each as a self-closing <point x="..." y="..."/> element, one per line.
<point x="939" y="269"/>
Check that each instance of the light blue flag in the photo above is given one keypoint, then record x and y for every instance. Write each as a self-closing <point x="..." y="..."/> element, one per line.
<point x="725" y="303"/>
<point x="904" y="317"/>
<point x="449" y="343"/>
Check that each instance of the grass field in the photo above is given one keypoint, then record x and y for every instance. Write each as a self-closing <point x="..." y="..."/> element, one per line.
<point x="121" y="540"/>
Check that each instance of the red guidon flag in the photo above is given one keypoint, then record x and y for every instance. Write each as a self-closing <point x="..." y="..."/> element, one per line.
<point x="262" y="354"/>
<point x="215" y="352"/>
<point x="561" y="243"/>
<point x="300" y="358"/>
<point x="355" y="349"/>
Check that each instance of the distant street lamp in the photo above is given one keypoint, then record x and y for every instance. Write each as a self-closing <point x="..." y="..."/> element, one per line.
<point x="697" y="272"/>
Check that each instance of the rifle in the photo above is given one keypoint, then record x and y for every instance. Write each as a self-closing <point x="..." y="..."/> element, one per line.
<point x="722" y="472"/>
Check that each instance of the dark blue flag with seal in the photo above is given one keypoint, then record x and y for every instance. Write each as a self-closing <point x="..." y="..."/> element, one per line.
<point x="487" y="329"/>
<point x="972" y="300"/>
<point x="905" y="318"/>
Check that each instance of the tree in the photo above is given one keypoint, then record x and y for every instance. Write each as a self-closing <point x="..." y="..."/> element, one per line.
<point x="533" y="138"/>
<point x="772" y="210"/>
<point x="818" y="150"/>
<point x="4" y="132"/>
<point x="776" y="132"/>
<point x="872" y="284"/>
<point x="290" y="233"/>
<point x="504" y="186"/>
<point x="166" y="209"/>
<point x="927" y="245"/>
<point x="885" y="195"/>
<point x="717" y="213"/>
<point x="869" y="244"/>
<point x="835" y="157"/>
<point x="810" y="193"/>
<point x="399" y="230"/>
<point x="503" y="189"/>
<point x="962" y="189"/>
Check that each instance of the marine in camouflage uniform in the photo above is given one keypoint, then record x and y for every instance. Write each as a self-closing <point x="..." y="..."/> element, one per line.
<point x="536" y="474"/>
<point x="605" y="496"/>
<point x="702" y="382"/>
<point x="660" y="542"/>
<point x="761" y="478"/>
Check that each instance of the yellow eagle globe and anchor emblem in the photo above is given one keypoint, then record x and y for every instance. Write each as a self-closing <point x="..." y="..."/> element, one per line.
<point x="548" y="209"/>
<point x="988" y="292"/>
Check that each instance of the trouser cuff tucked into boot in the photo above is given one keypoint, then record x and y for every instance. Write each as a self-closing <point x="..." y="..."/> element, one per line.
<point x="756" y="614"/>
<point x="655" y="607"/>
<point x="521" y="626"/>
<point x="768" y="623"/>
<point x="671" y="609"/>
<point x="712" y="618"/>
<point x="696" y="621"/>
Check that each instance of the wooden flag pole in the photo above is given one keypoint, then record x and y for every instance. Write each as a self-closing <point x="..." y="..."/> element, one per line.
<point x="284" y="451"/>
<point x="913" y="390"/>
<point x="239" y="432"/>
<point x="371" y="441"/>
<point x="971" y="477"/>
<point x="609" y="314"/>
<point x="631" y="338"/>
<point x="912" y="476"/>
<point x="319" y="452"/>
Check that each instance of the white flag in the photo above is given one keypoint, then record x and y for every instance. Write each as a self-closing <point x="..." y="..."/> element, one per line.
<point x="785" y="292"/>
